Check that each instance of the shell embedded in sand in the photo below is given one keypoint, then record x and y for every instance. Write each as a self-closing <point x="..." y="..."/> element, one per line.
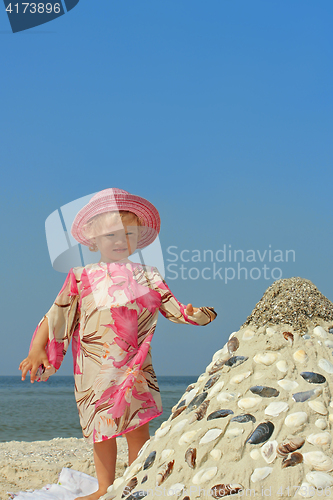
<point x="319" y="479"/>
<point x="210" y="436"/>
<point x="165" y="454"/>
<point x="210" y="382"/>
<point x="226" y="396"/>
<point x="175" y="489"/>
<point x="300" y="356"/>
<point x="204" y="475"/>
<point x="268" y="451"/>
<point x="270" y="331"/>
<point x="282" y="366"/>
<point x="179" y="426"/>
<point x="223" y="490"/>
<point x="305" y="490"/>
<point x="117" y="482"/>
<point x="318" y="407"/>
<point x="288" y="385"/>
<point x="318" y="461"/>
<point x="261" y="433"/>
<point x="313" y="378"/>
<point x="237" y="379"/>
<point x="325" y="365"/>
<point x="320" y="439"/>
<point x="292" y="460"/>
<point x="290" y="445"/>
<point x="296" y="419"/>
<point x="248" y="334"/>
<point x="247" y="403"/>
<point x="217" y="387"/>
<point x="219" y="354"/>
<point x="232" y="345"/>
<point x="190" y="395"/>
<point x="149" y="460"/>
<point x="321" y="423"/>
<point x="131" y="471"/>
<point x="300" y="397"/>
<point x="320" y="332"/>
<point x="264" y="391"/>
<point x="187" y="437"/>
<point x="329" y="343"/>
<point x="164" y="473"/>
<point x="255" y="454"/>
<point x="216" y="454"/>
<point x="260" y="474"/>
<point x="219" y="414"/>
<point x="190" y="457"/>
<point x="234" y="432"/>
<point x="265" y="358"/>
<point x="274" y="409"/>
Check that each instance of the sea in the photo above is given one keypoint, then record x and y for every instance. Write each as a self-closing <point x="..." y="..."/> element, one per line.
<point x="46" y="410"/>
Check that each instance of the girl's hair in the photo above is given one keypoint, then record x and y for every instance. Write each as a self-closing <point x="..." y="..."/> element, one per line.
<point x="99" y="224"/>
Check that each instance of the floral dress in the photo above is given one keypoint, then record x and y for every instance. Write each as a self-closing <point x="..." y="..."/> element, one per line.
<point x="109" y="311"/>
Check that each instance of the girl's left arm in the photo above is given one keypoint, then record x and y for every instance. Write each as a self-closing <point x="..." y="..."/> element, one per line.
<point x="174" y="310"/>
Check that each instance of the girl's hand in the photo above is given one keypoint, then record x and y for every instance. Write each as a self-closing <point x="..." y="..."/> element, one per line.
<point x="190" y="309"/>
<point x="37" y="356"/>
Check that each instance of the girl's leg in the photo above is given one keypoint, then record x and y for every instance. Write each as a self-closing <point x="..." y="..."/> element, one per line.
<point x="135" y="440"/>
<point x="105" y="456"/>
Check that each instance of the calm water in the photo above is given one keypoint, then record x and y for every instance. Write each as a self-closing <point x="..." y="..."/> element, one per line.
<point x="45" y="410"/>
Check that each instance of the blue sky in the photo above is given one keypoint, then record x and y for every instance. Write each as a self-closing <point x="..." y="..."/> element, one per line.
<point x="218" y="112"/>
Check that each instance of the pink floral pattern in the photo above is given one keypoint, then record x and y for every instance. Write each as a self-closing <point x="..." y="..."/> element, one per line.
<point x="109" y="311"/>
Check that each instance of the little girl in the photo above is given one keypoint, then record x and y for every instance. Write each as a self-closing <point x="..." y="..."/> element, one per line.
<point x="109" y="310"/>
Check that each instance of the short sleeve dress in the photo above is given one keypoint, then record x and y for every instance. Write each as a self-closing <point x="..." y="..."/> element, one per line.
<point x="109" y="311"/>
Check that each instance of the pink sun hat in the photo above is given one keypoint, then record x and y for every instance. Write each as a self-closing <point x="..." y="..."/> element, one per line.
<point x="114" y="200"/>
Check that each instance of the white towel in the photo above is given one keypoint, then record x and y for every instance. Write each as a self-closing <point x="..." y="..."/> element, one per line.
<point x="71" y="484"/>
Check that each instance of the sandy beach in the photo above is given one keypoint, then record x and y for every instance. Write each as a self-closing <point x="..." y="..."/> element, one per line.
<point x="31" y="465"/>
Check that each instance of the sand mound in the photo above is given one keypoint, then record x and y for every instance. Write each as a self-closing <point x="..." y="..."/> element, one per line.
<point x="258" y="422"/>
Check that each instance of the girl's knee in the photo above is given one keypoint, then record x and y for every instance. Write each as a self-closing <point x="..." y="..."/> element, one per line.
<point x="141" y="432"/>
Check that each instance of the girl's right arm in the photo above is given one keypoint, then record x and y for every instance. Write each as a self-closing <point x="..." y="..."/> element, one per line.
<point x="37" y="355"/>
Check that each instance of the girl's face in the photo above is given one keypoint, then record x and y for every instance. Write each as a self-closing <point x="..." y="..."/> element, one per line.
<point x="119" y="241"/>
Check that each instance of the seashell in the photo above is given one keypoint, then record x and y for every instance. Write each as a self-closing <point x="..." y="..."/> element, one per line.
<point x="246" y="417"/>
<point x="282" y="366"/>
<point x="162" y="431"/>
<point x="190" y="387"/>
<point x="248" y="334"/>
<point x="330" y="417"/>
<point x="289" y="337"/>
<point x="237" y="379"/>
<point x="223" y="490"/>
<point x="320" y="332"/>
<point x="325" y="365"/>
<point x="264" y="392"/>
<point x="274" y="409"/>
<point x="187" y="437"/>
<point x="330" y="330"/>
<point x="180" y="405"/>
<point x="300" y="356"/>
<point x="321" y="423"/>
<point x="131" y="471"/>
<point x="255" y="454"/>
<point x="261" y="433"/>
<point x="329" y="343"/>
<point x="164" y="473"/>
<point x="226" y="396"/>
<point x="200" y="412"/>
<point x="221" y="353"/>
<point x="318" y="407"/>
<point x="201" y="377"/>
<point x="258" y="375"/>
<point x="300" y="397"/>
<point x="130" y="486"/>
<point x="236" y="361"/>
<point x="319" y="479"/>
<point x="179" y="426"/>
<point x="144" y="479"/>
<point x="268" y="451"/>
<point x="320" y="439"/>
<point x="287" y="385"/>
<point x="246" y="403"/>
<point x="318" y="460"/>
<point x="190" y="395"/>
<point x="219" y="414"/>
<point x="296" y="419"/>
<point x="234" y="432"/>
<point x="196" y="401"/>
<point x="210" y="435"/>
<point x="210" y="382"/>
<point x="142" y="449"/>
<point x="117" y="482"/>
<point x="137" y="495"/>
<point x="313" y="378"/>
<point x="306" y="337"/>
<point x="204" y="475"/>
<point x="305" y="490"/>
<point x="260" y="474"/>
<point x="216" y="454"/>
<point x="266" y="358"/>
<point x="270" y="331"/>
<point x="289" y="446"/>
<point x="232" y="345"/>
<point x="218" y="365"/>
<point x="149" y="460"/>
<point x="294" y="459"/>
<point x="165" y="454"/>
<point x="178" y="412"/>
<point x="217" y="387"/>
<point x="175" y="489"/>
<point x="190" y="457"/>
